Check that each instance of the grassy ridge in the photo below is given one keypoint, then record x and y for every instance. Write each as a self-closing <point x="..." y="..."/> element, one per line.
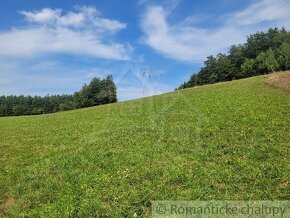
<point x="224" y="141"/>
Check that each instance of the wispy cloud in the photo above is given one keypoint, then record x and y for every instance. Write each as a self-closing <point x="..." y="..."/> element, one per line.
<point x="186" y="41"/>
<point x="84" y="16"/>
<point x="80" y="32"/>
<point x="263" y="11"/>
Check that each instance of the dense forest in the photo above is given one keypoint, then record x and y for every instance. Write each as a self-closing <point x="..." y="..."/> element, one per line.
<point x="261" y="54"/>
<point x="97" y="92"/>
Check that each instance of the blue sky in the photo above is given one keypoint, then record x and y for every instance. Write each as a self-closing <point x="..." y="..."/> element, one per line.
<point x="54" y="47"/>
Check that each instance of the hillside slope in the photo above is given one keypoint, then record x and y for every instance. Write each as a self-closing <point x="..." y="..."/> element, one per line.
<point x="224" y="141"/>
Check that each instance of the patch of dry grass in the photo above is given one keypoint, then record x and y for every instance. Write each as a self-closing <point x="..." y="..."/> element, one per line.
<point x="7" y="203"/>
<point x="280" y="80"/>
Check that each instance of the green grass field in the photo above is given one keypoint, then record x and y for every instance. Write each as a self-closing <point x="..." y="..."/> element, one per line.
<point x="227" y="141"/>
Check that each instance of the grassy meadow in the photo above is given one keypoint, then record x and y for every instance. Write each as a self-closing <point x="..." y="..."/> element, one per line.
<point x="226" y="141"/>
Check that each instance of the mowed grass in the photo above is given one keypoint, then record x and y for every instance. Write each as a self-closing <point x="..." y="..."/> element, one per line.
<point x="228" y="141"/>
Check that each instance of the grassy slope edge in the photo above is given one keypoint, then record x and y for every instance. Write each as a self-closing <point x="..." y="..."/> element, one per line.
<point x="223" y="141"/>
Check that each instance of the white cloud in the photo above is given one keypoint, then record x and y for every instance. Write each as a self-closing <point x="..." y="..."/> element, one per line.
<point x="185" y="41"/>
<point x="263" y="10"/>
<point x="81" y="32"/>
<point x="84" y="16"/>
<point x="43" y="40"/>
<point x="46" y="15"/>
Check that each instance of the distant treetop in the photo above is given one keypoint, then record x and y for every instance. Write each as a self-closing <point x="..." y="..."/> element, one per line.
<point x="97" y="92"/>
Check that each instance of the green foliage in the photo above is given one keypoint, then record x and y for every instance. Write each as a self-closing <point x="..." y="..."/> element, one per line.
<point x="247" y="68"/>
<point x="227" y="142"/>
<point x="261" y="54"/>
<point x="111" y="89"/>
<point x="271" y="62"/>
<point x="236" y="55"/>
<point x="256" y="44"/>
<point x="283" y="56"/>
<point x="260" y="62"/>
<point x="96" y="93"/>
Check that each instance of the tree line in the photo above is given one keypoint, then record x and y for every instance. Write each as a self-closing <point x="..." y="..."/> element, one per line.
<point x="97" y="92"/>
<point x="263" y="53"/>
